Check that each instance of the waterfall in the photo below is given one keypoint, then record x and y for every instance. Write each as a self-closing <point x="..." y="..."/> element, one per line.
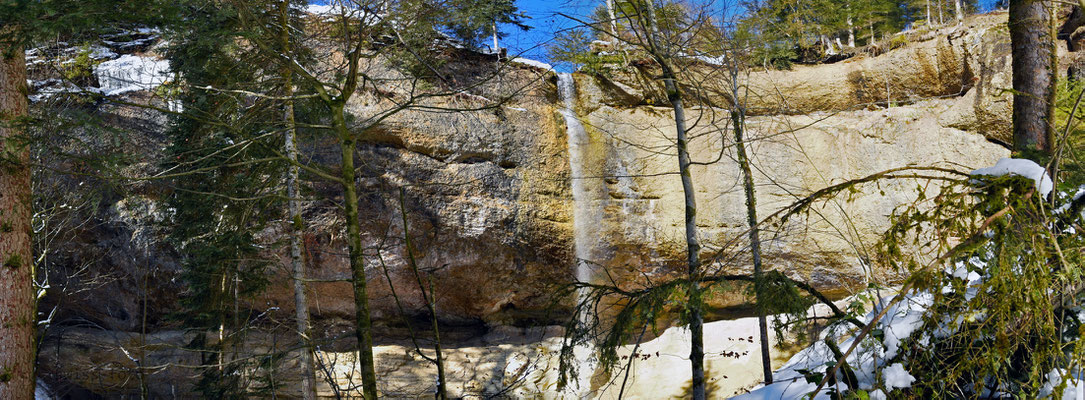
<point x="585" y="220"/>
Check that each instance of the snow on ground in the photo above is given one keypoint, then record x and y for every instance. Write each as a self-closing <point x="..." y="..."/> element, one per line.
<point x="51" y="87"/>
<point x="897" y="377"/>
<point x="1075" y="388"/>
<point x="42" y="391"/>
<point x="900" y="323"/>
<point x="532" y="63"/>
<point x="712" y="60"/>
<point x="130" y="73"/>
<point x="1021" y="167"/>
<point x="101" y="53"/>
<point x="786" y="389"/>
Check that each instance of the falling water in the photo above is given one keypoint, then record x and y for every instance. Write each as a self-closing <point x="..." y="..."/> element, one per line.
<point x="585" y="221"/>
<point x="578" y="144"/>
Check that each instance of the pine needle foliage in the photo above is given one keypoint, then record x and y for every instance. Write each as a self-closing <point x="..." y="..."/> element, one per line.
<point x="1007" y="330"/>
<point x="225" y="190"/>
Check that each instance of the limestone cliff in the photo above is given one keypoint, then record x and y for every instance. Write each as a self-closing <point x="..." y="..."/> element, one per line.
<point x="490" y="204"/>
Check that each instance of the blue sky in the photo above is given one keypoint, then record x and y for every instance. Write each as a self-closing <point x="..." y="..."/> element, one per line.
<point x="545" y="23"/>
<point x="532" y="44"/>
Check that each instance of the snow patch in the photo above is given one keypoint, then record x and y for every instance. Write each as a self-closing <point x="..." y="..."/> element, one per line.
<point x="131" y="73"/>
<point x="1020" y="167"/>
<point x="711" y="60"/>
<point x="1075" y="388"/>
<point x="51" y="87"/>
<point x="796" y="388"/>
<point x="899" y="323"/>
<point x="42" y="391"/>
<point x="897" y="377"/>
<point x="101" y="53"/>
<point x="903" y="319"/>
<point x="532" y="63"/>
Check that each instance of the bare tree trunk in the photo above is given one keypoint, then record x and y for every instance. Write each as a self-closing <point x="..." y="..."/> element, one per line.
<point x="928" y="12"/>
<point x="222" y="323"/>
<point x="1033" y="76"/>
<point x="738" y="118"/>
<point x="363" y="324"/>
<point x="297" y="263"/>
<point x="430" y="300"/>
<point x="851" y="33"/>
<point x="828" y="44"/>
<point x="941" y="19"/>
<point x="613" y="19"/>
<point x="17" y="303"/>
<point x="442" y="382"/>
<point x="960" y="12"/>
<point x="301" y="304"/>
<point x="693" y="245"/>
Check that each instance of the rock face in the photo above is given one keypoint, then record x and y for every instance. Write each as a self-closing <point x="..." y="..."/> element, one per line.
<point x="490" y="210"/>
<point x="792" y="155"/>
<point x="489" y="197"/>
<point x="969" y="62"/>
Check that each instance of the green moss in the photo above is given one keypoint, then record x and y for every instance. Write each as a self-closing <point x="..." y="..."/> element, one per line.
<point x="897" y="42"/>
<point x="14" y="261"/>
<point x="82" y="66"/>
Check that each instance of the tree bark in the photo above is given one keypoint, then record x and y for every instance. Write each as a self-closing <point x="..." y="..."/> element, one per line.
<point x="960" y="12"/>
<point x="17" y="303"/>
<point x="693" y="245"/>
<point x="851" y="33"/>
<point x="1033" y="76"/>
<point x="941" y="15"/>
<point x="928" y="12"/>
<point x="430" y="299"/>
<point x="738" y="118"/>
<point x="363" y="323"/>
<point x="297" y="263"/>
<point x="613" y="19"/>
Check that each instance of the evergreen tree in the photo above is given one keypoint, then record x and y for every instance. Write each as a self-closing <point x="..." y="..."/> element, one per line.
<point x="227" y="184"/>
<point x="22" y="22"/>
<point x="17" y="319"/>
<point x="366" y="37"/>
<point x="472" y="20"/>
<point x="293" y="194"/>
